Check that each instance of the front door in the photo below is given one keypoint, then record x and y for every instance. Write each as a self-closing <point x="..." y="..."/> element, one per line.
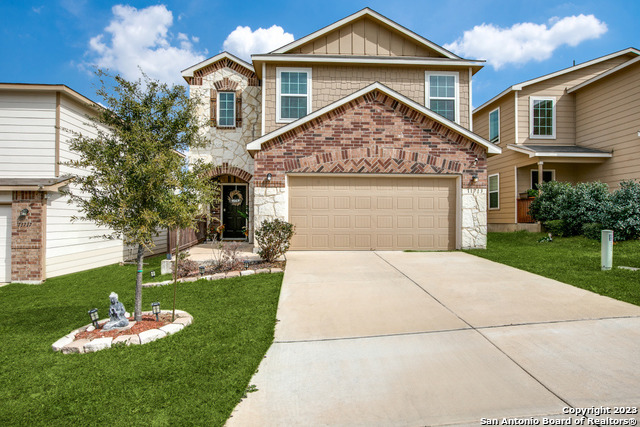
<point x="234" y="210"/>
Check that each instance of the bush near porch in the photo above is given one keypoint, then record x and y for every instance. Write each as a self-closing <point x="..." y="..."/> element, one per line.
<point x="572" y="260"/>
<point x="586" y="208"/>
<point x="195" y="377"/>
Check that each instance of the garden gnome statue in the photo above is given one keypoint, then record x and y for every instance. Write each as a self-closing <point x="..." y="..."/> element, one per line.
<point x="117" y="318"/>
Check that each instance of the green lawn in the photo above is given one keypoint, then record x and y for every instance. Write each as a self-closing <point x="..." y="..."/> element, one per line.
<point x="196" y="376"/>
<point x="572" y="260"/>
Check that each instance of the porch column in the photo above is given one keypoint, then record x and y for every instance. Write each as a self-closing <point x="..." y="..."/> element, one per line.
<point x="540" y="169"/>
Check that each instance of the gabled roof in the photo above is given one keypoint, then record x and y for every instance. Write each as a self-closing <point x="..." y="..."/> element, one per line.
<point x="256" y="145"/>
<point x="519" y="86"/>
<point x="559" y="151"/>
<point x="375" y="16"/>
<point x="189" y="71"/>
<point x="605" y="74"/>
<point x="37" y="87"/>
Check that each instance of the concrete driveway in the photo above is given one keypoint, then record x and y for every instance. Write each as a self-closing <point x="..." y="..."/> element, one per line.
<point x="438" y="338"/>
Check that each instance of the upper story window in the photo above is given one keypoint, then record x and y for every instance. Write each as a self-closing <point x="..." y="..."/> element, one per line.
<point x="293" y="98"/>
<point x="442" y="94"/>
<point x="226" y="109"/>
<point x="494" y="126"/>
<point x="542" y="115"/>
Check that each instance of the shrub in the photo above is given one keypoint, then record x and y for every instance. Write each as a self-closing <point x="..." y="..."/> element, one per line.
<point x="623" y="211"/>
<point x="555" y="226"/>
<point x="584" y="203"/>
<point x="274" y="238"/>
<point x="547" y="206"/>
<point x="592" y="230"/>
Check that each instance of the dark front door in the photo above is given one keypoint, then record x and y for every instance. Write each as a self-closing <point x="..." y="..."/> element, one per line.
<point x="234" y="205"/>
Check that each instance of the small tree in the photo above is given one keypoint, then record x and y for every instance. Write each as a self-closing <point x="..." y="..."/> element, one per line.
<point x="137" y="181"/>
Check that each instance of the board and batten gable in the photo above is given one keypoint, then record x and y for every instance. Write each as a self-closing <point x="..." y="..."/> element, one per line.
<point x="365" y="36"/>
<point x="27" y="134"/>
<point x="332" y="82"/>
<point x="608" y="118"/>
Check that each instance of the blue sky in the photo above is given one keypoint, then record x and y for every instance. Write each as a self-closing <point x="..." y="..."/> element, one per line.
<point x="57" y="41"/>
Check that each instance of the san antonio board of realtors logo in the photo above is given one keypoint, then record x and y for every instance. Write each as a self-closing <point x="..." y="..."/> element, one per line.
<point x="235" y="198"/>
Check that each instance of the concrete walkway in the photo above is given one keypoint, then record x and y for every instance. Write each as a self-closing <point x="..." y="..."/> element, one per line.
<point x="410" y="339"/>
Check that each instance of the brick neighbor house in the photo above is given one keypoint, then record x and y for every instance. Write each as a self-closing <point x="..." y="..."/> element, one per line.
<point x="578" y="124"/>
<point x="360" y="134"/>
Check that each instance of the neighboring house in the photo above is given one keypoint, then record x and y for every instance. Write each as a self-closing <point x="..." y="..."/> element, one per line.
<point x="37" y="238"/>
<point x="358" y="134"/>
<point x="578" y="124"/>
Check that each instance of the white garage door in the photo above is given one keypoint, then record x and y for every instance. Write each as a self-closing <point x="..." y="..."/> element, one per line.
<point x="366" y="213"/>
<point x="5" y="243"/>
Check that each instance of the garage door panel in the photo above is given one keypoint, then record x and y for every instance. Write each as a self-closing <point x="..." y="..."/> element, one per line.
<point x="366" y="213"/>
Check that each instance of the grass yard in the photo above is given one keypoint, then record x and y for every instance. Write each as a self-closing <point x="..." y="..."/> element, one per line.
<point x="196" y="376"/>
<point x="572" y="260"/>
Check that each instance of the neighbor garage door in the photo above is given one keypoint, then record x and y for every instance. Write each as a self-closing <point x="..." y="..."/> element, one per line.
<point x="5" y="243"/>
<point x="365" y="213"/>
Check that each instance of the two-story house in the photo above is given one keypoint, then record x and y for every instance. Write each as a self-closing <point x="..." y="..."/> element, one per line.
<point x="359" y="134"/>
<point x="578" y="124"/>
<point x="37" y="237"/>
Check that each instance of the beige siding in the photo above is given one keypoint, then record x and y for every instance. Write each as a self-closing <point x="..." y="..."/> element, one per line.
<point x="507" y="120"/>
<point x="74" y="246"/>
<point x="365" y="36"/>
<point x="27" y="134"/>
<point x="565" y="103"/>
<point x="504" y="165"/>
<point x="331" y="83"/>
<point x="608" y="118"/>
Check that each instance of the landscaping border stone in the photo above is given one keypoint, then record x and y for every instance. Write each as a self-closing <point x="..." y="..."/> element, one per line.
<point x="68" y="344"/>
<point x="216" y="276"/>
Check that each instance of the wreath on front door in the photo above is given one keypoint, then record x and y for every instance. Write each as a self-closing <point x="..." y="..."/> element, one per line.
<point x="235" y="198"/>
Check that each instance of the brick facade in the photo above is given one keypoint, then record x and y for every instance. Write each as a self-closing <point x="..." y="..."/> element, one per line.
<point x="371" y="134"/>
<point x="28" y="236"/>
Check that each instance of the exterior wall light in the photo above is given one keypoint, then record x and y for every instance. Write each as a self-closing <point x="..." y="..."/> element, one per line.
<point x="93" y="315"/>
<point x="201" y="268"/>
<point x="24" y="212"/>
<point x="269" y="176"/>
<point x="155" y="307"/>
<point x="474" y="178"/>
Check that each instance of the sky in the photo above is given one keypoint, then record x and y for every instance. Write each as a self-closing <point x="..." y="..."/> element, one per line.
<point x="62" y="41"/>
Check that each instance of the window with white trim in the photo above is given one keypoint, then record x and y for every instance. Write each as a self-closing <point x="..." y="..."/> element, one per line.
<point x="293" y="97"/>
<point x="442" y="94"/>
<point x="226" y="109"/>
<point x="494" y="191"/>
<point x="542" y="114"/>
<point x="494" y="126"/>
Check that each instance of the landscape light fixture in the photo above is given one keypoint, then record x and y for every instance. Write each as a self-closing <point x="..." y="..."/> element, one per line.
<point x="474" y="178"/>
<point x="155" y="307"/>
<point x="246" y="264"/>
<point x="93" y="315"/>
<point x="153" y="273"/>
<point x="269" y="176"/>
<point x="201" y="268"/>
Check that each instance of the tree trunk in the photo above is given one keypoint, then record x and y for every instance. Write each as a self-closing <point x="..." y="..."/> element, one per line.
<point x="175" y="274"/>
<point x="138" y="302"/>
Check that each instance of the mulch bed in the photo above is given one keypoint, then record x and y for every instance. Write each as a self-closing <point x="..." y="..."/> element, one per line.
<point x="148" y="322"/>
<point x="210" y="269"/>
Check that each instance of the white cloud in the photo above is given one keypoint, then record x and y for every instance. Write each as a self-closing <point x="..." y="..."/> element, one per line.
<point x="243" y="42"/>
<point x="526" y="41"/>
<point x="140" y="38"/>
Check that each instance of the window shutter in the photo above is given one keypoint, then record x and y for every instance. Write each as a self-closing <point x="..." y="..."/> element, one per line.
<point x="238" y="108"/>
<point x="212" y="108"/>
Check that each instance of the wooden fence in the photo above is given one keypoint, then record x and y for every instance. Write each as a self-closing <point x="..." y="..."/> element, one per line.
<point x="523" y="211"/>
<point x="188" y="237"/>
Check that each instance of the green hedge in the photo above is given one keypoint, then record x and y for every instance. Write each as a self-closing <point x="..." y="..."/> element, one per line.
<point x="586" y="208"/>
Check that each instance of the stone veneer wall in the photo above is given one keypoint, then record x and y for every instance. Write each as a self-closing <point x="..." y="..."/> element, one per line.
<point x="374" y="134"/>
<point x="474" y="218"/>
<point x="27" y="237"/>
